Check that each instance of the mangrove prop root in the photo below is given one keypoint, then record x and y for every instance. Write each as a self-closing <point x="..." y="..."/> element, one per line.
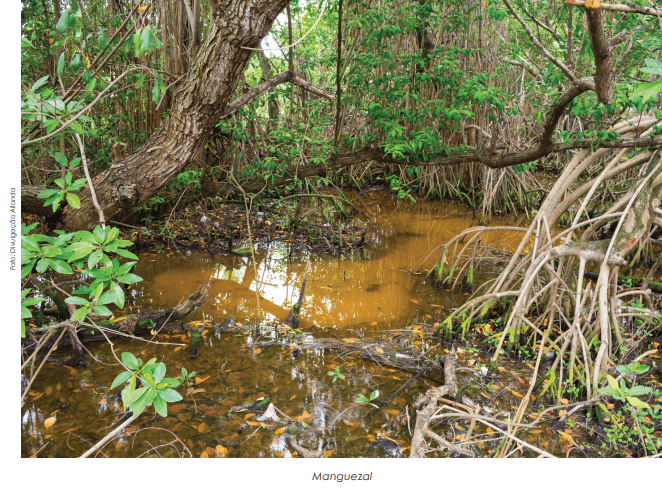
<point x="292" y="319"/>
<point x="301" y="451"/>
<point x="426" y="405"/>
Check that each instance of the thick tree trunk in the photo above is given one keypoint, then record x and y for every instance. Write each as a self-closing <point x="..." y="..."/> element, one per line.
<point x="198" y="104"/>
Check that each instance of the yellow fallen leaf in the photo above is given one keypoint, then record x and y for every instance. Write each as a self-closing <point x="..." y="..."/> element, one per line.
<point x="221" y="450"/>
<point x="204" y="454"/>
<point x="178" y="348"/>
<point x="327" y="453"/>
<point x="516" y="394"/>
<point x="250" y="422"/>
<point x="413" y="300"/>
<point x="257" y="351"/>
<point x="49" y="422"/>
<point x="248" y="415"/>
<point x="392" y="411"/>
<point x="379" y="351"/>
<point x="202" y="427"/>
<point x="238" y="324"/>
<point x="374" y="323"/>
<point x="279" y="431"/>
<point x="564" y="401"/>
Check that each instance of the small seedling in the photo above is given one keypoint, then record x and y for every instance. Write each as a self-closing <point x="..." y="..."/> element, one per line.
<point x="336" y="374"/>
<point x="363" y="399"/>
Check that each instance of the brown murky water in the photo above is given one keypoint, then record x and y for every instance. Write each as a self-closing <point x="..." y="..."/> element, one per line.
<point x="370" y="292"/>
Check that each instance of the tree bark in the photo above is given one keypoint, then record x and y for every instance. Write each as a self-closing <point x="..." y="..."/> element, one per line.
<point x="198" y="104"/>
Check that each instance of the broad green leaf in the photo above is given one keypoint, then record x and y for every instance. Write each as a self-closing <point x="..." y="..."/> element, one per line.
<point x="636" y="402"/>
<point x="121" y="378"/>
<point x="147" y="40"/>
<point x="130" y="278"/>
<point x="107" y="298"/>
<point x="80" y="313"/>
<point x="159" y="372"/>
<point x="129" y="360"/>
<point x="647" y="90"/>
<point x="147" y="378"/>
<point x="612" y="383"/>
<point x="60" y="266"/>
<point x="160" y="406"/>
<point x="64" y="22"/>
<point x="60" y="65"/>
<point x="102" y="310"/>
<point x="170" y="395"/>
<point x="47" y="193"/>
<point x="127" y="254"/>
<point x="73" y="200"/>
<point x="94" y="258"/>
<point x="39" y="83"/>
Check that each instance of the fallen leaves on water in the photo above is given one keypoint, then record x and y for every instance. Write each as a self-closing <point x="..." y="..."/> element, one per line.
<point x="279" y="431"/>
<point x="249" y="415"/>
<point x="179" y="348"/>
<point x="253" y="423"/>
<point x="566" y="436"/>
<point x="221" y="450"/>
<point x="49" y="422"/>
<point x="392" y="411"/>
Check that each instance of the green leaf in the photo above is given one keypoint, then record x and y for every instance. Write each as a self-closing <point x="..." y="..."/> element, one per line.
<point x="170" y="382"/>
<point x="612" y="383"/>
<point x="130" y="278"/>
<point x="107" y="298"/>
<point x="147" y="378"/>
<point x="160" y="406"/>
<point x="141" y="81"/>
<point x="129" y="360"/>
<point x="646" y="91"/>
<point x="639" y="390"/>
<point x="94" y="258"/>
<point x="39" y="83"/>
<point x="60" y="266"/>
<point x="60" y="65"/>
<point x="73" y="200"/>
<point x="119" y="296"/>
<point x="121" y="378"/>
<point x="76" y="300"/>
<point x="80" y="313"/>
<point x="133" y="395"/>
<point x="170" y="395"/>
<point x="147" y="40"/>
<point x="64" y="22"/>
<point x="102" y="310"/>
<point x="127" y="254"/>
<point x="159" y="372"/>
<point x="636" y="402"/>
<point x="47" y="193"/>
